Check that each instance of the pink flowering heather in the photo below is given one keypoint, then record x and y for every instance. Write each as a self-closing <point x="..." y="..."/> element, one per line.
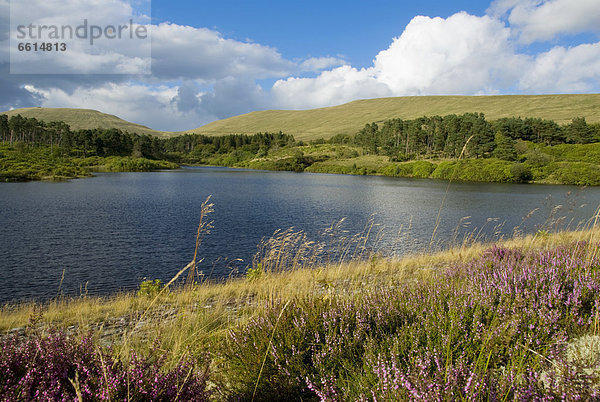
<point x="495" y="328"/>
<point x="56" y="367"/>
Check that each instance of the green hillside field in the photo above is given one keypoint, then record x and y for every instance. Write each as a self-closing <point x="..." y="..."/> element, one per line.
<point x="347" y="118"/>
<point x="351" y="117"/>
<point x="79" y="119"/>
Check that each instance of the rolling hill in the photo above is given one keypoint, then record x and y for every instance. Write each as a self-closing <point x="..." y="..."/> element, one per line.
<point x="84" y="119"/>
<point x="351" y="117"/>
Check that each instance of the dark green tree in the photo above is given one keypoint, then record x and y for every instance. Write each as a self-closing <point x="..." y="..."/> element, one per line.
<point x="505" y="147"/>
<point x="578" y="132"/>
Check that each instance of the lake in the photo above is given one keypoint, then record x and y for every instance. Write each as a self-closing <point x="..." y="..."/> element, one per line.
<point x="109" y="232"/>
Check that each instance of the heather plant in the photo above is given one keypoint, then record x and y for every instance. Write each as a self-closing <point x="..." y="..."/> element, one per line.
<point x="494" y="328"/>
<point x="59" y="368"/>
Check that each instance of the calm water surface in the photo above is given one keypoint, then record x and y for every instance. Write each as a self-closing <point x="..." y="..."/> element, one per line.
<point x="109" y="232"/>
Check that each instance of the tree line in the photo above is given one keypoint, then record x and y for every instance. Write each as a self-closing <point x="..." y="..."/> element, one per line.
<point x="469" y="135"/>
<point x="114" y="142"/>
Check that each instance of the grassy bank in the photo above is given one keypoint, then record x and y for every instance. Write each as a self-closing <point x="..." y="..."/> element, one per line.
<point x="22" y="162"/>
<point x="574" y="164"/>
<point x="518" y="319"/>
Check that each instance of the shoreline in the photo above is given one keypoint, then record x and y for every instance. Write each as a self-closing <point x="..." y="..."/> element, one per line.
<point x="422" y="261"/>
<point x="508" y="313"/>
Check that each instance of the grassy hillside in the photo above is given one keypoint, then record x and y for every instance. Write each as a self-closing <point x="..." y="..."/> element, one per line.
<point x="84" y="119"/>
<point x="351" y="117"/>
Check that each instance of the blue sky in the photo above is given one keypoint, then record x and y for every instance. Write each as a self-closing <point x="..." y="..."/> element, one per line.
<point x="212" y="60"/>
<point x="301" y="29"/>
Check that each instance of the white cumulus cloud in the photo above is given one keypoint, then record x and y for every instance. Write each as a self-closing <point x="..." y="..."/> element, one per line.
<point x="563" y="70"/>
<point x="461" y="54"/>
<point x="320" y="63"/>
<point x="185" y="52"/>
<point x="336" y="86"/>
<point x="536" y="20"/>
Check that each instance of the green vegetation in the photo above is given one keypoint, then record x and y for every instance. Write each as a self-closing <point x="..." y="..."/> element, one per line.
<point x="150" y="288"/>
<point x="34" y="150"/>
<point x="454" y="147"/>
<point x="23" y="162"/>
<point x="347" y="119"/>
<point x="466" y="147"/>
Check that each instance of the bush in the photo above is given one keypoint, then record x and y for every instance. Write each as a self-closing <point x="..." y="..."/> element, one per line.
<point x="327" y="167"/>
<point x="150" y="287"/>
<point x="576" y="173"/>
<point x="536" y="157"/>
<point x="129" y="164"/>
<point x="346" y="153"/>
<point x="422" y="169"/>
<point x="521" y="173"/>
<point x="486" y="170"/>
<point x="254" y="274"/>
<point x="589" y="153"/>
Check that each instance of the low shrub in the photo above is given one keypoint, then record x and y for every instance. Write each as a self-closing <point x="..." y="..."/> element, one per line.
<point x="521" y="173"/>
<point x="493" y="328"/>
<point x="129" y="164"/>
<point x="485" y="170"/>
<point x="577" y="173"/>
<point x="150" y="287"/>
<point x="59" y="368"/>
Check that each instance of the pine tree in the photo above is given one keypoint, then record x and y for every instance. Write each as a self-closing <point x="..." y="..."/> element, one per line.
<point x="505" y="147"/>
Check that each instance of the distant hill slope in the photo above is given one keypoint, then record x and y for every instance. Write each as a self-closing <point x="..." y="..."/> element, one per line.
<point x="351" y="117"/>
<point x="84" y="119"/>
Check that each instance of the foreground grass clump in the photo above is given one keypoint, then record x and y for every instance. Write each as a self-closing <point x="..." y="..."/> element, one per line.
<point x="516" y="320"/>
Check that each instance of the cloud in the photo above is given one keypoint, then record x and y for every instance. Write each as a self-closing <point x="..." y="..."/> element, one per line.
<point x="149" y="105"/>
<point x="460" y="54"/>
<point x="336" y="86"/>
<point x="536" y="20"/>
<point x="232" y="96"/>
<point x="94" y="36"/>
<point x="161" y="107"/>
<point x="198" y="75"/>
<point x="185" y="52"/>
<point x="320" y="63"/>
<point x="564" y="70"/>
<point x="15" y="95"/>
<point x="187" y="97"/>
